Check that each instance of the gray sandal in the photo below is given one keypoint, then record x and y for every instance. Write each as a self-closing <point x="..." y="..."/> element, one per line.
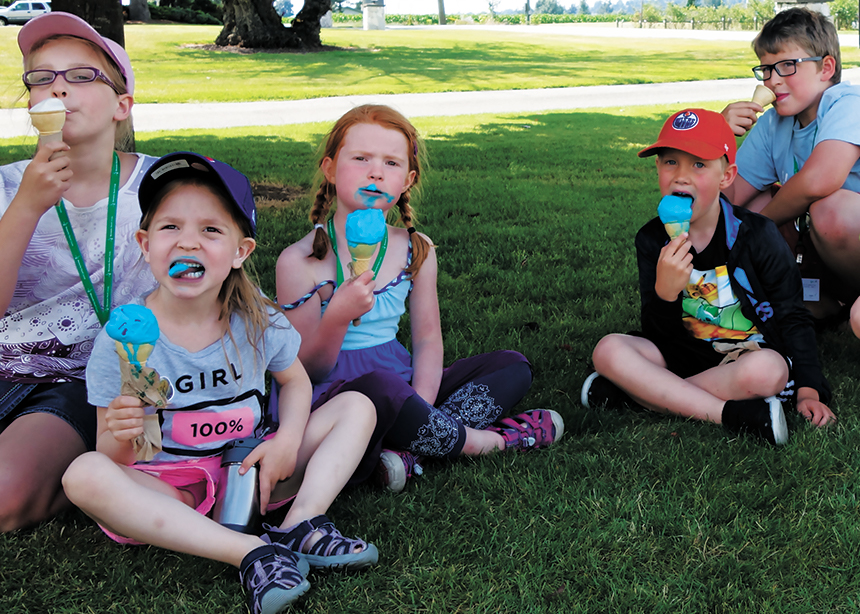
<point x="331" y="551"/>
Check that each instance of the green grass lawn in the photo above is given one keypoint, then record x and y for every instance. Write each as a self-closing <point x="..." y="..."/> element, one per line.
<point x="534" y="218"/>
<point x="400" y="61"/>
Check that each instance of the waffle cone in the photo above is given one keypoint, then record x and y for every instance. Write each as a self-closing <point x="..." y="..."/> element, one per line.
<point x="134" y="354"/>
<point x="48" y="123"/>
<point x="674" y="229"/>
<point x="360" y="265"/>
<point x="361" y="254"/>
<point x="763" y="95"/>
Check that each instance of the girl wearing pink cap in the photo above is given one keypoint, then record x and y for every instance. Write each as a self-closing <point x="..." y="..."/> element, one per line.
<point x="67" y="255"/>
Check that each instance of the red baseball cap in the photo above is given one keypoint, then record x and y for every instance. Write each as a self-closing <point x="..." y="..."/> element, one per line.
<point x="58" y="23"/>
<point x="699" y="132"/>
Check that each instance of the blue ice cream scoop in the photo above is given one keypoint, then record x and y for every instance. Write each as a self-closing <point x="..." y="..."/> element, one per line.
<point x="675" y="212"/>
<point x="365" y="227"/>
<point x="134" y="328"/>
<point x="132" y="324"/>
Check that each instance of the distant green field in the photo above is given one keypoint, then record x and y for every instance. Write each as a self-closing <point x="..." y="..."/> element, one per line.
<point x="400" y="61"/>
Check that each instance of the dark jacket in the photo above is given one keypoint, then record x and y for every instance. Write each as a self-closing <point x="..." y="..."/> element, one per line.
<point x="765" y="279"/>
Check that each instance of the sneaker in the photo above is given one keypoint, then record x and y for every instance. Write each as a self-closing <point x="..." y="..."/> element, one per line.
<point x="761" y="417"/>
<point x="274" y="577"/>
<point x="536" y="428"/>
<point x="395" y="467"/>
<point x="598" y="392"/>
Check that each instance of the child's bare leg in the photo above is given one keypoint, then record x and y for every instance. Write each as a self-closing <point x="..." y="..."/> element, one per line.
<point x="335" y="439"/>
<point x="835" y="228"/>
<point x="754" y="375"/>
<point x="855" y="318"/>
<point x="334" y="442"/>
<point x="35" y="450"/>
<point x="637" y="366"/>
<point x="481" y="442"/>
<point x="146" y="509"/>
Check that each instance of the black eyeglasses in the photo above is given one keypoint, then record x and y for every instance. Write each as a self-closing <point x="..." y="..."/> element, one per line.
<point x="785" y="68"/>
<point x="81" y="74"/>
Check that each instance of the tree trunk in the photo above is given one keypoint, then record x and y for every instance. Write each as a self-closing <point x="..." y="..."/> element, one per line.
<point x="138" y="10"/>
<point x="256" y="24"/>
<point x="103" y="15"/>
<point x="442" y="19"/>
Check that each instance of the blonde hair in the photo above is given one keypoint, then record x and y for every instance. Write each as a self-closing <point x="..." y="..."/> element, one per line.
<point x="385" y="117"/>
<point x="810" y="30"/>
<point x="239" y="293"/>
<point x="124" y="136"/>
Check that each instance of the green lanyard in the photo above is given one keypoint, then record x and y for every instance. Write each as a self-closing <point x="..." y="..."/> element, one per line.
<point x="102" y="311"/>
<point x="379" y="257"/>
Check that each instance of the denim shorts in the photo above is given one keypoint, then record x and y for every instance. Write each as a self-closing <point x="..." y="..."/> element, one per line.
<point x="67" y="400"/>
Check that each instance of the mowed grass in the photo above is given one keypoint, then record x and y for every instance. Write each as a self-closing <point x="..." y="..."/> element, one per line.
<point x="534" y="218"/>
<point x="399" y="61"/>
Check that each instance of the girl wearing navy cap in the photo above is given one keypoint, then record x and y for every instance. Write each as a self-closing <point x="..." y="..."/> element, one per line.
<point x="218" y="337"/>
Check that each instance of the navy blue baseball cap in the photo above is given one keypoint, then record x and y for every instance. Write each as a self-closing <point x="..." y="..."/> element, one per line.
<point x="184" y="164"/>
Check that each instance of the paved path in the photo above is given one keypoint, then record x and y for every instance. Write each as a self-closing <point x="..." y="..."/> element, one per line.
<point x="210" y="116"/>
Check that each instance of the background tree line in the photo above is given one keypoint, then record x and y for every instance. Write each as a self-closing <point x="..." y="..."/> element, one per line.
<point x="735" y="14"/>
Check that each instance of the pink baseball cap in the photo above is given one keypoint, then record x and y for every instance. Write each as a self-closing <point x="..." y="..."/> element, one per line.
<point x="699" y="132"/>
<point x="66" y="24"/>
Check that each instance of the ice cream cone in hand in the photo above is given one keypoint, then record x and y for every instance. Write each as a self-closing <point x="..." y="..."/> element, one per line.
<point x="675" y="212"/>
<point x="134" y="330"/>
<point x="361" y="255"/>
<point x="763" y="95"/>
<point x="365" y="230"/>
<point x="49" y="117"/>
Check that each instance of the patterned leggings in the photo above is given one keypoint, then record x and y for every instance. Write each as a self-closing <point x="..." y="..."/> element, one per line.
<point x="474" y="393"/>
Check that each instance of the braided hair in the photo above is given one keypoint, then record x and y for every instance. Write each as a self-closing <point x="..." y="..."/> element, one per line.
<point x="385" y="117"/>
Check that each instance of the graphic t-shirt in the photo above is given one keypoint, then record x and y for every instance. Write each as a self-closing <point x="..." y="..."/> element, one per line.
<point x="711" y="311"/>
<point x="216" y="394"/>
<point x="48" y="330"/>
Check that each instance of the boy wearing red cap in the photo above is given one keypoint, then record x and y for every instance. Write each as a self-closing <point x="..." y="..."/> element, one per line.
<point x="724" y="329"/>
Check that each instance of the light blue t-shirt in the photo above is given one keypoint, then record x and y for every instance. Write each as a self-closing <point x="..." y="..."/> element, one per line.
<point x="776" y="145"/>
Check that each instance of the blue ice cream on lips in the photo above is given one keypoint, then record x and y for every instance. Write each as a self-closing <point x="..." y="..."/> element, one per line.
<point x="675" y="211"/>
<point x="369" y="194"/>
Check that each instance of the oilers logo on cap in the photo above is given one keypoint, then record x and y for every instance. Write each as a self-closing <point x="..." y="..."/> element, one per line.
<point x="685" y="121"/>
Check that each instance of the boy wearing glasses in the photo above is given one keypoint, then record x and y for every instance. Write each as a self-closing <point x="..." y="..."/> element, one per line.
<point x="724" y="330"/>
<point x="800" y="165"/>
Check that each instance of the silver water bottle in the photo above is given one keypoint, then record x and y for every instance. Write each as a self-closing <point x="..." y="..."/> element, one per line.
<point x="237" y="501"/>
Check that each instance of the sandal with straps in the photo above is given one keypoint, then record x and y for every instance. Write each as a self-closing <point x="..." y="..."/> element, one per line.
<point x="331" y="551"/>
<point x="536" y="428"/>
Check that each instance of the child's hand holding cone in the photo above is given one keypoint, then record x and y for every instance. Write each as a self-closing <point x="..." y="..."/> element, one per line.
<point x="135" y="331"/>
<point x="365" y="229"/>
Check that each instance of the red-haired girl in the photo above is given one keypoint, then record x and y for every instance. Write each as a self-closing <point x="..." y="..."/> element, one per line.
<point x="372" y="159"/>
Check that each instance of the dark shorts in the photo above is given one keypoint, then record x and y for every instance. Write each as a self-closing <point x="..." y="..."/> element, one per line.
<point x="685" y="357"/>
<point x="66" y="400"/>
<point x="688" y="357"/>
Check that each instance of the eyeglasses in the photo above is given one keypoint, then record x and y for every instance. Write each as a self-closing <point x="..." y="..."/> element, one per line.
<point x="81" y="74"/>
<point x="785" y="68"/>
